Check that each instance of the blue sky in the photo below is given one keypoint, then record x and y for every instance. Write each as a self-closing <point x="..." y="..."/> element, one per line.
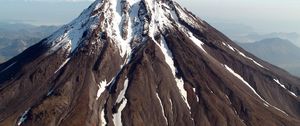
<point x="262" y="15"/>
<point x="41" y="12"/>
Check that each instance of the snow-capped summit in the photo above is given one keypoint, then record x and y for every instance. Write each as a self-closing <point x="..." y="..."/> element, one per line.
<point x="123" y="21"/>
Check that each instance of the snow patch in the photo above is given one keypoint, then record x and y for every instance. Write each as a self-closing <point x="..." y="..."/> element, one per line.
<point x="229" y="46"/>
<point x="62" y="65"/>
<point x="242" y="54"/>
<point x="277" y="81"/>
<point x="171" y="104"/>
<point x="101" y="89"/>
<point x="103" y="121"/>
<point x="180" y="85"/>
<point x="280" y="110"/>
<point x="227" y="98"/>
<point x="98" y="5"/>
<point x="292" y="93"/>
<point x="283" y="86"/>
<point x="197" y="41"/>
<point x="114" y="29"/>
<point x="265" y="102"/>
<point x="268" y="105"/>
<point x="169" y="60"/>
<point x="23" y="117"/>
<point x="162" y="108"/>
<point x="187" y="17"/>
<point x="117" y="117"/>
<point x="197" y="97"/>
<point x="70" y="35"/>
<point x="123" y="91"/>
<point x="117" y="16"/>
<point x="167" y="54"/>
<point x="242" y="79"/>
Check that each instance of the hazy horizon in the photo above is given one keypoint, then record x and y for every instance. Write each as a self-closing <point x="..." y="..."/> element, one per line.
<point x="263" y="16"/>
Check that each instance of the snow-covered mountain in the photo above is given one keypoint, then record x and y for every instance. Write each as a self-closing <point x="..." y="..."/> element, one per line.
<point x="143" y="63"/>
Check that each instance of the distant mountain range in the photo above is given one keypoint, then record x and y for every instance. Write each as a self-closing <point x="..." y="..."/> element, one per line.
<point x="280" y="52"/>
<point x="246" y="34"/>
<point x="253" y="37"/>
<point x="14" y="38"/>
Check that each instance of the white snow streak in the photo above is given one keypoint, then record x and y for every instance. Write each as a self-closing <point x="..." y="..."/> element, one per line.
<point x="122" y="93"/>
<point x="280" y="110"/>
<point x="242" y="79"/>
<point x="267" y="105"/>
<point x="229" y="46"/>
<point x="197" y="41"/>
<point x="242" y="54"/>
<point x="169" y="60"/>
<point x="23" y="117"/>
<point x="162" y="108"/>
<point x="292" y="93"/>
<point x="62" y="65"/>
<point x="168" y="55"/>
<point x="278" y="82"/>
<point x="227" y="98"/>
<point x="101" y="89"/>
<point x="180" y="85"/>
<point x="171" y="104"/>
<point x="8" y="67"/>
<point x="103" y="121"/>
<point x="117" y="117"/>
<point x="187" y="17"/>
<point x="245" y="82"/>
<point x="197" y="98"/>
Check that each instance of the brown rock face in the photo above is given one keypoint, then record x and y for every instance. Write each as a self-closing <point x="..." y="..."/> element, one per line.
<point x="143" y="63"/>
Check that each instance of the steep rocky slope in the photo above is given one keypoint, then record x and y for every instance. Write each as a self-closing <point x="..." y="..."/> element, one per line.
<point x="143" y="62"/>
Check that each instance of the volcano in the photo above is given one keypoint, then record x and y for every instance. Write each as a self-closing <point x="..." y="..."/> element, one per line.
<point x="143" y="63"/>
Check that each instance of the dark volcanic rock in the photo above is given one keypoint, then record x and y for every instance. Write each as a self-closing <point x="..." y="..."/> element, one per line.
<point x="143" y="63"/>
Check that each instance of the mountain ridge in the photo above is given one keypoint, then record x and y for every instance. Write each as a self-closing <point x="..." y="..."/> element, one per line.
<point x="164" y="66"/>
